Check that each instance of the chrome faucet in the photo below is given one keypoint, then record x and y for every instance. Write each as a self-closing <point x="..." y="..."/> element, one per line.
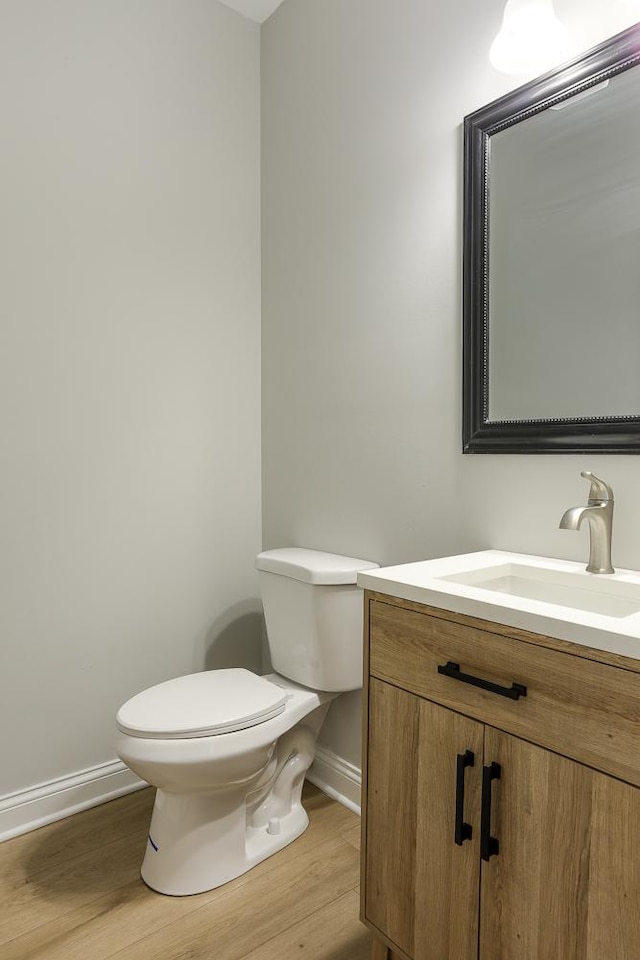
<point x="599" y="514"/>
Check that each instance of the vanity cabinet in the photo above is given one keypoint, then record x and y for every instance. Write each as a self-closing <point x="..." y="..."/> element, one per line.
<point x="500" y="821"/>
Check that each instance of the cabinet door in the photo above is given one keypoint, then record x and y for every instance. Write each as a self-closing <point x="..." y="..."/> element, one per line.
<point x="421" y="887"/>
<point x="565" y="882"/>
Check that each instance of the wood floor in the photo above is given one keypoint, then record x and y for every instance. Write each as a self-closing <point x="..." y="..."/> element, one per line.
<point x="72" y="891"/>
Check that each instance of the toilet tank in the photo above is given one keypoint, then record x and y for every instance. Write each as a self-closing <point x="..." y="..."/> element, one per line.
<point x="313" y="612"/>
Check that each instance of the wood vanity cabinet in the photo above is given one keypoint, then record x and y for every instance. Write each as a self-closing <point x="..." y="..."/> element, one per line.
<point x="501" y="821"/>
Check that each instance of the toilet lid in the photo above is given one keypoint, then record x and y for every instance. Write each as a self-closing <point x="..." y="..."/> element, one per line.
<point x="201" y="705"/>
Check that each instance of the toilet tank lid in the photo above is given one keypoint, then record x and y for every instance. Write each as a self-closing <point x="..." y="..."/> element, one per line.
<point x="312" y="566"/>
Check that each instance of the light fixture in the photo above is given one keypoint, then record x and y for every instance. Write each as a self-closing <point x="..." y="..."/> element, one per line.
<point x="531" y="38"/>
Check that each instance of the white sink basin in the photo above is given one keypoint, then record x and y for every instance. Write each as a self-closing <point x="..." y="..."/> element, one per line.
<point x="557" y="598"/>
<point x="597" y="594"/>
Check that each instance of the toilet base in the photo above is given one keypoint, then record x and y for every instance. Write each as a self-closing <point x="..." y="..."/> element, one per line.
<point x="199" y="841"/>
<point x="186" y="856"/>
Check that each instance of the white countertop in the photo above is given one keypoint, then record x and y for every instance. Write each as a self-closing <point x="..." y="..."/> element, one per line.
<point x="617" y="631"/>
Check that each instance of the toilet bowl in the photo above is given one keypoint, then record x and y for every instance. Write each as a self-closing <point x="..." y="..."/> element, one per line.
<point x="228" y="750"/>
<point x="225" y="800"/>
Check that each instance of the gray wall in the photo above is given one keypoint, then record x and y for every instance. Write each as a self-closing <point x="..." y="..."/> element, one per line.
<point x="362" y="104"/>
<point x="130" y="363"/>
<point x="129" y="304"/>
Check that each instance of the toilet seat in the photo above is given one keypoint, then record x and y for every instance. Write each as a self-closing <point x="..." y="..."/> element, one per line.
<point x="201" y="705"/>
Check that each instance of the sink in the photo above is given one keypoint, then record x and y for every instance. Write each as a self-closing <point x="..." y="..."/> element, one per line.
<point x="594" y="594"/>
<point x="556" y="598"/>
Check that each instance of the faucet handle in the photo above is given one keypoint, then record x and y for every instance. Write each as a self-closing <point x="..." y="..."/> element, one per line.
<point x="600" y="490"/>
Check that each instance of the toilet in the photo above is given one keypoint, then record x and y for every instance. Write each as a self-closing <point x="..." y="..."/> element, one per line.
<point x="228" y="750"/>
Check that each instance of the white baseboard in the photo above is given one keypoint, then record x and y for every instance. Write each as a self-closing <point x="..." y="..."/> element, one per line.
<point x="46" y="802"/>
<point x="336" y="777"/>
<point x="28" y="809"/>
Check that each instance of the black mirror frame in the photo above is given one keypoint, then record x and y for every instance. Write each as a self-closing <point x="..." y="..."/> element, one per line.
<point x="479" y="434"/>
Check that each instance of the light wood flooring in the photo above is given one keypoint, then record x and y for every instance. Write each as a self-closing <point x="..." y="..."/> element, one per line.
<point x="72" y="891"/>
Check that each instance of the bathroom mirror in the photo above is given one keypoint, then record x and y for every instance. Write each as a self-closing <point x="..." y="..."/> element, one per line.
<point x="552" y="261"/>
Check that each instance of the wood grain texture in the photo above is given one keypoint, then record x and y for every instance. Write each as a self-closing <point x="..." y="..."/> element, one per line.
<point x="364" y="790"/>
<point x="238" y="921"/>
<point x="72" y="891"/>
<point x="422" y="888"/>
<point x="331" y="933"/>
<point x="566" y="882"/>
<point x="392" y="798"/>
<point x="525" y="636"/>
<point x="584" y="710"/>
<point x="379" y="950"/>
<point x="353" y="836"/>
<point x="613" y="928"/>
<point x="534" y="893"/>
<point x="447" y="875"/>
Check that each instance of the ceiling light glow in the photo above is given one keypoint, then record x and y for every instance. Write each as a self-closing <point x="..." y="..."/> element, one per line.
<point x="531" y="39"/>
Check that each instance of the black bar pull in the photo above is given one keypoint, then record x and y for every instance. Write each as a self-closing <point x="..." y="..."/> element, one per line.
<point x="514" y="692"/>
<point x="463" y="830"/>
<point x="489" y="846"/>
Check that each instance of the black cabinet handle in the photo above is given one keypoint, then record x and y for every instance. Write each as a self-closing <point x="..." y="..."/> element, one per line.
<point x="514" y="692"/>
<point x="489" y="846"/>
<point x="463" y="830"/>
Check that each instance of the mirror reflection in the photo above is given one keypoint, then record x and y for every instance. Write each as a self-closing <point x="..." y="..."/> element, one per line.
<point x="552" y="261"/>
<point x="564" y="255"/>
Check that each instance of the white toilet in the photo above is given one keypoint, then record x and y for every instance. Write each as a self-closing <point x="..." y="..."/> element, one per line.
<point x="228" y="750"/>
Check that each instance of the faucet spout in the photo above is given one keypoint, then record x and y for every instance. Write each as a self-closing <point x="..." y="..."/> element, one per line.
<point x="572" y="518"/>
<point x="599" y="515"/>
